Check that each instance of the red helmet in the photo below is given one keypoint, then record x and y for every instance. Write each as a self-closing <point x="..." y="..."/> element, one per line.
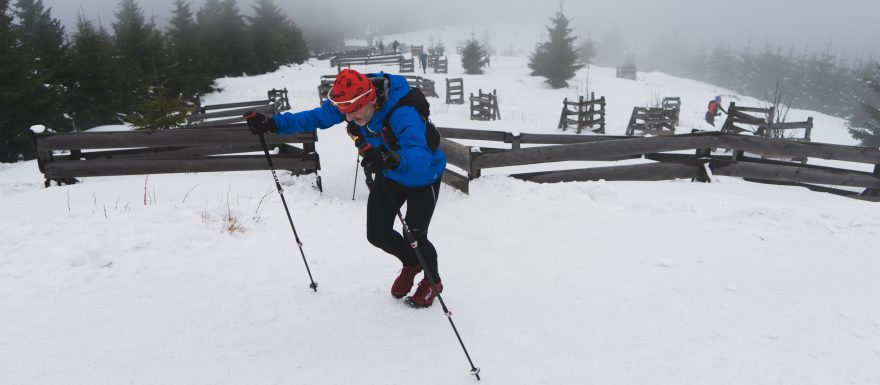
<point x="351" y="91"/>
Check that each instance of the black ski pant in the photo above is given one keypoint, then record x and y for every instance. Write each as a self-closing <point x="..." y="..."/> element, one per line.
<point x="385" y="200"/>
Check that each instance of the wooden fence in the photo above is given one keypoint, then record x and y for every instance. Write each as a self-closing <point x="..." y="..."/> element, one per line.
<point x="652" y="121"/>
<point x="415" y="50"/>
<point x="484" y="106"/>
<point x="407" y="65"/>
<point x="666" y="166"/>
<point x="64" y="157"/>
<point x="441" y="66"/>
<point x="454" y="91"/>
<point x="672" y="103"/>
<point x="426" y="85"/>
<point x="216" y="140"/>
<point x="587" y="113"/>
<point x="763" y="122"/>
<point x="627" y="71"/>
<point x="219" y="114"/>
<point x="365" y="60"/>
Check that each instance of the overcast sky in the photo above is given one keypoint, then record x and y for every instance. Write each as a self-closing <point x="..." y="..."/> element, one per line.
<point x="846" y="24"/>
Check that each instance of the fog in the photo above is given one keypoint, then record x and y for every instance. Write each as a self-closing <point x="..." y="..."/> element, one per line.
<point x="843" y="26"/>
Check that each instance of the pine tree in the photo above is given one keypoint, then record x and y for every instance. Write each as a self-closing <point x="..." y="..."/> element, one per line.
<point x="94" y="77"/>
<point x="138" y="49"/>
<point x="556" y="59"/>
<point x="223" y="37"/>
<point x="588" y="51"/>
<point x="721" y="67"/>
<point x="869" y="132"/>
<point x="187" y="72"/>
<point x="473" y="57"/>
<point x="42" y="42"/>
<point x="14" y="88"/>
<point x="275" y="40"/>
<point x="159" y="111"/>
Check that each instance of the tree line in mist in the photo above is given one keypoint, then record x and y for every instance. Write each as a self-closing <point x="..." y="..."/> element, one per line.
<point x="94" y="76"/>
<point x="807" y="79"/>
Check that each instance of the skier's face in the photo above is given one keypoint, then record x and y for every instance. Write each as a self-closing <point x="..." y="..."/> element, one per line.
<point x="363" y="115"/>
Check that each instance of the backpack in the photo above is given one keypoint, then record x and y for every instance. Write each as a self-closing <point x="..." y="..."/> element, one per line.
<point x="414" y="98"/>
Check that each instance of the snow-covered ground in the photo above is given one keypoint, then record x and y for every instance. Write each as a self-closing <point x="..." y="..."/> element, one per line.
<point x="196" y="278"/>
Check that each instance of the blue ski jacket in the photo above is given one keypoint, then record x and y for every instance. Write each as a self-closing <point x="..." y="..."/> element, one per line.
<point x="418" y="165"/>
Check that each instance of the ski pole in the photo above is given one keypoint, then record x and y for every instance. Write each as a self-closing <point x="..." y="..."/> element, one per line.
<point x="354" y="188"/>
<point x="415" y="244"/>
<point x="313" y="285"/>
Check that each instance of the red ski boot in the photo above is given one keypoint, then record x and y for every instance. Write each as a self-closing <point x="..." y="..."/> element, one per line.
<point x="404" y="281"/>
<point x="425" y="294"/>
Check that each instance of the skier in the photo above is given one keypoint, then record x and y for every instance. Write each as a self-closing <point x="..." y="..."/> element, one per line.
<point x="714" y="107"/>
<point x="400" y="149"/>
<point x="423" y="60"/>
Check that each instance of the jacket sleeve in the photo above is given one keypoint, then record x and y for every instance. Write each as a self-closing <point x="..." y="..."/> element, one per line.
<point x="408" y="127"/>
<point x="309" y="120"/>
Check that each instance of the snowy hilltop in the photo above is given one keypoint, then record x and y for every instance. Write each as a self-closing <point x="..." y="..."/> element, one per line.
<point x="197" y="279"/>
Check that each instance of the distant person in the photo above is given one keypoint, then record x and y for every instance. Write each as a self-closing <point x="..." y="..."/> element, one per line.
<point x="381" y="47"/>
<point x="714" y="107"/>
<point x="423" y="60"/>
<point x="395" y="45"/>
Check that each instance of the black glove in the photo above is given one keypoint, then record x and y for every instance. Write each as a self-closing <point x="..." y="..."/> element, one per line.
<point x="259" y="123"/>
<point x="378" y="159"/>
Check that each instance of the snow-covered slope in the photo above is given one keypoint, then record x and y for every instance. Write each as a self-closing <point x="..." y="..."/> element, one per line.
<point x="196" y="279"/>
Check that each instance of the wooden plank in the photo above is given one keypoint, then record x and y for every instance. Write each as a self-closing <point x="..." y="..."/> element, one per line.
<point x="791" y="125"/>
<point x="830" y="190"/>
<point x="637" y="172"/>
<point x="235" y="105"/>
<point x="565" y="139"/>
<point x="237" y="112"/>
<point x="456" y="180"/>
<point x="605" y="150"/>
<point x="109" y="167"/>
<point x="463" y="133"/>
<point x="457" y="154"/>
<point x="795" y="174"/>
<point x="772" y="146"/>
<point x="164" y="138"/>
